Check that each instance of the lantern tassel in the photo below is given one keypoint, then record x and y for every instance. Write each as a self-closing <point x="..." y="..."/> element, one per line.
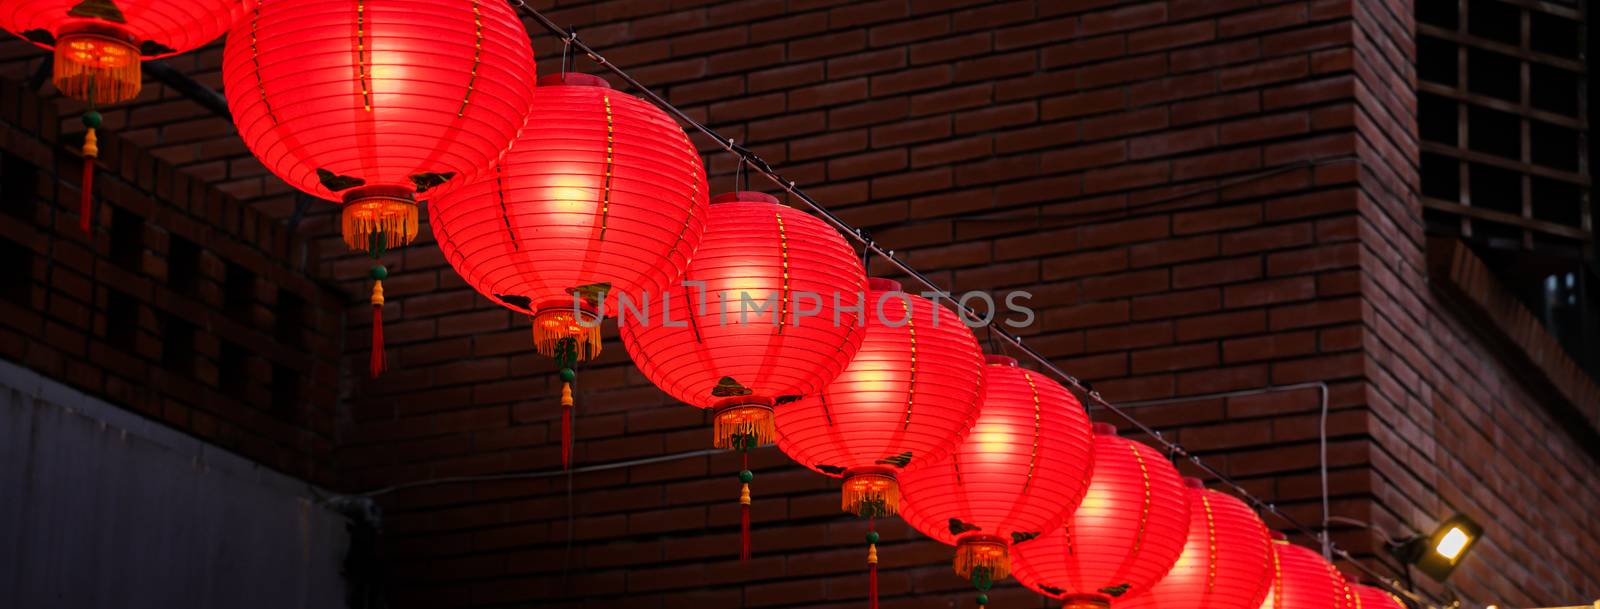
<point x="745" y="476"/>
<point x="872" y="566"/>
<point x="91" y="150"/>
<point x="566" y="424"/>
<point x="744" y="522"/>
<point x="986" y="558"/>
<point x="378" y="364"/>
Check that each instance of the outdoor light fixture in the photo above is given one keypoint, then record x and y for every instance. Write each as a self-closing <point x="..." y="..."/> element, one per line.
<point x="1438" y="554"/>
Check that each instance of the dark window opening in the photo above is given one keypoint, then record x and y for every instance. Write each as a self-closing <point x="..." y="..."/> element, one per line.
<point x="1494" y="20"/>
<point x="1436" y="60"/>
<point x="127" y="239"/>
<point x="1494" y="132"/>
<point x="1553" y="35"/>
<point x="1441" y="177"/>
<point x="177" y="344"/>
<point x="1560" y="293"/>
<point x="289" y="323"/>
<point x="16" y="275"/>
<point x="1554" y="90"/>
<point x="19" y="184"/>
<point x="1436" y="119"/>
<point x="285" y="392"/>
<point x="233" y="371"/>
<point x="1441" y="14"/>
<point x="238" y="291"/>
<point x="1494" y="75"/>
<point x="1553" y="146"/>
<point x="183" y="264"/>
<point x="122" y="320"/>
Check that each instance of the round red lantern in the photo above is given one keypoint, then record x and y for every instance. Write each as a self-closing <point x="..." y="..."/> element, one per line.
<point x="764" y="316"/>
<point x="907" y="399"/>
<point x="745" y="330"/>
<point x="1226" y="562"/>
<point x="374" y="103"/>
<point x="602" y="195"/>
<point x="99" y="44"/>
<point x="1127" y="533"/>
<point x="1369" y="597"/>
<point x="1020" y="471"/>
<point x="1304" y="580"/>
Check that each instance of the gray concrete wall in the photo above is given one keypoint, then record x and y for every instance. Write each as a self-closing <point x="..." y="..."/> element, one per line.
<point x="100" y="507"/>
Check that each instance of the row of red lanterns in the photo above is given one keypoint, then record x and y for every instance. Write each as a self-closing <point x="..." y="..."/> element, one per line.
<point x="562" y="202"/>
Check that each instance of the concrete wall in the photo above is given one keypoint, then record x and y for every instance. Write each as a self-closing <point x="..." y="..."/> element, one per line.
<point x="103" y="508"/>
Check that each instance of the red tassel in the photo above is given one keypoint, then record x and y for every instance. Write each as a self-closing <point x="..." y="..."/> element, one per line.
<point x="378" y="363"/>
<point x="566" y="425"/>
<point x="744" y="526"/>
<point x="872" y="566"/>
<point x="744" y="504"/>
<point x="91" y="149"/>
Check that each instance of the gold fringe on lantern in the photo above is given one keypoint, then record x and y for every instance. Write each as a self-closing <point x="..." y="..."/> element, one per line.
<point x="877" y="489"/>
<point x="552" y="325"/>
<point x="96" y="68"/>
<point x="743" y="419"/>
<point x="983" y="551"/>
<point x="394" y="216"/>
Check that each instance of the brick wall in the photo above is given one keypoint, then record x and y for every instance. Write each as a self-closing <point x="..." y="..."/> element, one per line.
<point x="1177" y="183"/>
<point x="182" y="303"/>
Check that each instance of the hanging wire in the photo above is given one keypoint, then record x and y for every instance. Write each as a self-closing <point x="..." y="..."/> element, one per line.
<point x="757" y="164"/>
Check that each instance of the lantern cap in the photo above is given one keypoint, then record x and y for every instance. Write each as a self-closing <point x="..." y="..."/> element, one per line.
<point x="877" y="284"/>
<point x="744" y="196"/>
<point x="573" y="79"/>
<point x="1105" y="429"/>
<point x="1000" y="360"/>
<point x="1194" y="482"/>
<point x="1280" y="537"/>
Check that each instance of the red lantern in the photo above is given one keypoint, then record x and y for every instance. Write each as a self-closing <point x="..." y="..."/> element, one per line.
<point x="1226" y="563"/>
<point x="1369" y="597"/>
<point x="99" y="44"/>
<point x="373" y="103"/>
<point x="602" y="195"/>
<point x="1127" y="533"/>
<point x="1020" y="471"/>
<point x="760" y="319"/>
<point x="907" y="399"/>
<point x="1305" y="580"/>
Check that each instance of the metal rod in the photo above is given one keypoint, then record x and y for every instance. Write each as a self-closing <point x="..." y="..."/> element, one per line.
<point x="207" y="97"/>
<point x="755" y="163"/>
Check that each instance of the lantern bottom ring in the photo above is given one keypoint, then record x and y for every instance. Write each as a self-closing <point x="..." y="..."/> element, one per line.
<point x="742" y="423"/>
<point x="388" y="213"/>
<point x="870" y="492"/>
<point x="989" y="552"/>
<point x="556" y="322"/>
<point x="97" y="63"/>
<point x="1085" y="601"/>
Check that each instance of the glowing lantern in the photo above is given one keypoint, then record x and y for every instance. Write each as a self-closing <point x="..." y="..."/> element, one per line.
<point x="1305" y="580"/>
<point x="1020" y="471"/>
<point x="602" y="195"/>
<point x="1127" y="533"/>
<point x="908" y="398"/>
<point x="99" y="45"/>
<point x="373" y="103"/>
<point x="755" y="323"/>
<point x="1226" y="563"/>
<point x="1369" y="597"/>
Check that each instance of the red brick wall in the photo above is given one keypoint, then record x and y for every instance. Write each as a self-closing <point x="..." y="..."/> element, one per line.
<point x="112" y="313"/>
<point x="1175" y="181"/>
